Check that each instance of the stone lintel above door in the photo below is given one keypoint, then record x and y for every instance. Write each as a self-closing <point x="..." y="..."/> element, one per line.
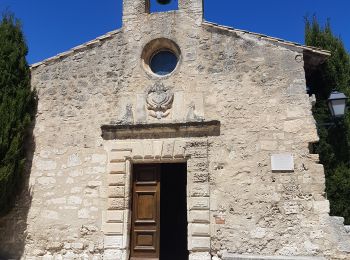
<point x="158" y="131"/>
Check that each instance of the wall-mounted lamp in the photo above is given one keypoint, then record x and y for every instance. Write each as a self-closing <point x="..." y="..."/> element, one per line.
<point x="337" y="104"/>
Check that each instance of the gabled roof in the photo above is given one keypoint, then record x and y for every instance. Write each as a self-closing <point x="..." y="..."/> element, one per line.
<point x="313" y="55"/>
<point x="293" y="45"/>
<point x="78" y="48"/>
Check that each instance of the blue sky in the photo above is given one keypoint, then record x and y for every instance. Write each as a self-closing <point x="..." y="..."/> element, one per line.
<point x="53" y="26"/>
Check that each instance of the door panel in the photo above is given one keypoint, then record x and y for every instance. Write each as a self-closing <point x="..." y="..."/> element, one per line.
<point x="145" y="226"/>
<point x="146" y="207"/>
<point x="145" y="240"/>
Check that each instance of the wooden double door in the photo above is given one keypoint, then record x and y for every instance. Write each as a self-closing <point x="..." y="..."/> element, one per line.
<point x="159" y="215"/>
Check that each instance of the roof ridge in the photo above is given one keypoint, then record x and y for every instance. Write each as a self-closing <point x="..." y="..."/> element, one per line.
<point x="77" y="48"/>
<point x="271" y="39"/>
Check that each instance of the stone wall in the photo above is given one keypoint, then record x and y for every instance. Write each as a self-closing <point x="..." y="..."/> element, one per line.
<point x="254" y="87"/>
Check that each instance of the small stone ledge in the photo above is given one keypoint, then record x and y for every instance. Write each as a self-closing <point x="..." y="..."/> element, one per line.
<point x="158" y="131"/>
<point x="228" y="256"/>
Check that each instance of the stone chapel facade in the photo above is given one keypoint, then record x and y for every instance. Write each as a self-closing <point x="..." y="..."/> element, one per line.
<point x="175" y="138"/>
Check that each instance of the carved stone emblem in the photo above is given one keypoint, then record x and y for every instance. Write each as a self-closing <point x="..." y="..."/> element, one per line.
<point x="159" y="100"/>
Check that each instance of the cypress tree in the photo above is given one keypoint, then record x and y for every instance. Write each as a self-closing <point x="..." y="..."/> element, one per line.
<point x="16" y="108"/>
<point x="333" y="147"/>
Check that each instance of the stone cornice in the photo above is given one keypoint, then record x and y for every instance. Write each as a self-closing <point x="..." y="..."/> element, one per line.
<point x="167" y="130"/>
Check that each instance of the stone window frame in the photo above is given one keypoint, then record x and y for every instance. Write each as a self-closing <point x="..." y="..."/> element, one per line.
<point x="155" y="46"/>
<point x="116" y="218"/>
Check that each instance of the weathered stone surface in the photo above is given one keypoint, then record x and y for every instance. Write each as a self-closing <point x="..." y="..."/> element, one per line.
<point x="113" y="216"/>
<point x="179" y="149"/>
<point x="168" y="149"/>
<point x="112" y="228"/>
<point x="77" y="245"/>
<point x="54" y="246"/>
<point x="199" y="190"/>
<point x="116" y="179"/>
<point x="115" y="203"/>
<point x="340" y="234"/>
<point x="200" y="229"/>
<point x="257" y="257"/>
<point x="116" y="192"/>
<point x="113" y="242"/>
<point x="116" y="167"/>
<point x="99" y="158"/>
<point x="119" y="156"/>
<point x="199" y="244"/>
<point x="199" y="256"/>
<point x="199" y="216"/>
<point x="46" y="181"/>
<point x="347" y="228"/>
<point x="253" y="86"/>
<point x="74" y="200"/>
<point x="157" y="148"/>
<point x="199" y="203"/>
<point x="73" y="160"/>
<point x="321" y="206"/>
<point x="84" y="213"/>
<point x="113" y="254"/>
<point x="46" y="165"/>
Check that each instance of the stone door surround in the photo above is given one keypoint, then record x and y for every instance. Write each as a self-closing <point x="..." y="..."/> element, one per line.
<point x="116" y="216"/>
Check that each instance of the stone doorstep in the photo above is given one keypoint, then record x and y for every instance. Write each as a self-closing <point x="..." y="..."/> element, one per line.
<point x="228" y="256"/>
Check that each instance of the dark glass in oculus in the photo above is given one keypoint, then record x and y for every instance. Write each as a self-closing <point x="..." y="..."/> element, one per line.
<point x="163" y="62"/>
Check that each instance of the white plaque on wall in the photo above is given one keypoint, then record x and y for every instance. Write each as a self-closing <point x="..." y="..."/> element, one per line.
<point x="282" y="162"/>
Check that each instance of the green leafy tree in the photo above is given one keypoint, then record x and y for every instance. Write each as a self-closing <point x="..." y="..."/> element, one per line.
<point x="17" y="102"/>
<point x="333" y="147"/>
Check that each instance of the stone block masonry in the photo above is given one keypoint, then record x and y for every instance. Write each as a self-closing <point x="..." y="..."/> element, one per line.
<point x="77" y="205"/>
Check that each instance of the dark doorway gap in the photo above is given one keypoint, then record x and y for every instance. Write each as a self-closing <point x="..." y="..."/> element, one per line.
<point x="173" y="212"/>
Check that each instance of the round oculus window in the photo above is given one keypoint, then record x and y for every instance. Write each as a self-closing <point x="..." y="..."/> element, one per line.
<point x="163" y="62"/>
